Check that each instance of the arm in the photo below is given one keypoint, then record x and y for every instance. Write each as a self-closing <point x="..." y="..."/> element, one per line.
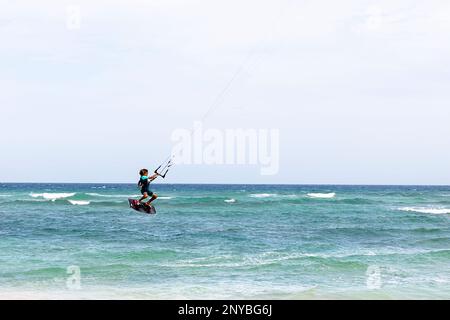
<point x="153" y="177"/>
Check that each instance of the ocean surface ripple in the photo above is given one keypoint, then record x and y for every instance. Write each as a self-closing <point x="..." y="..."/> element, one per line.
<point x="225" y="241"/>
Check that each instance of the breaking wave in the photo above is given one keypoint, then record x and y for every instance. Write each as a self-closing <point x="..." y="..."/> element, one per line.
<point x="52" y="196"/>
<point x="79" y="202"/>
<point x="426" y="210"/>
<point x="112" y="195"/>
<point x="263" y="195"/>
<point x="322" y="195"/>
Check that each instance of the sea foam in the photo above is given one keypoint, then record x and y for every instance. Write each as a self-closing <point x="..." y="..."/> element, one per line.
<point x="93" y="194"/>
<point x="426" y="210"/>
<point x="230" y="200"/>
<point x="52" y="196"/>
<point x="322" y="195"/>
<point x="262" y="195"/>
<point x="79" y="202"/>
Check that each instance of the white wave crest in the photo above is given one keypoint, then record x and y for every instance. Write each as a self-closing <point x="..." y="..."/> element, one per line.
<point x="113" y="195"/>
<point x="426" y="210"/>
<point x="263" y="195"/>
<point x="165" y="198"/>
<point x="230" y="200"/>
<point x="79" y="202"/>
<point x="52" y="196"/>
<point x="322" y="195"/>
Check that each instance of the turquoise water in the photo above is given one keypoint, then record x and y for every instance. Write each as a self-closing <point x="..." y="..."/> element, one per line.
<point x="226" y="241"/>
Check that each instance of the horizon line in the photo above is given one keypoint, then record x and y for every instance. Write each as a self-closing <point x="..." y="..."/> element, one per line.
<point x="210" y="183"/>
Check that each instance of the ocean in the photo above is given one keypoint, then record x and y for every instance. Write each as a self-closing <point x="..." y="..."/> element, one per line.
<point x="81" y="241"/>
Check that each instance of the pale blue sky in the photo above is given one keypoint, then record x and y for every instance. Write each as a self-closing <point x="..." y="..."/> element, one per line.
<point x="358" y="89"/>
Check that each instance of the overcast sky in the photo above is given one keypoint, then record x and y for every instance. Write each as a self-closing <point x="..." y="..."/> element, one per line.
<point x="359" y="90"/>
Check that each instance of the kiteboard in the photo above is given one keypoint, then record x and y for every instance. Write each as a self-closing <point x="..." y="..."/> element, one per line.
<point x="134" y="204"/>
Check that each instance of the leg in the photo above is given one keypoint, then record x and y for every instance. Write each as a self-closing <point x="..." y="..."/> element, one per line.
<point x="154" y="197"/>
<point x="144" y="196"/>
